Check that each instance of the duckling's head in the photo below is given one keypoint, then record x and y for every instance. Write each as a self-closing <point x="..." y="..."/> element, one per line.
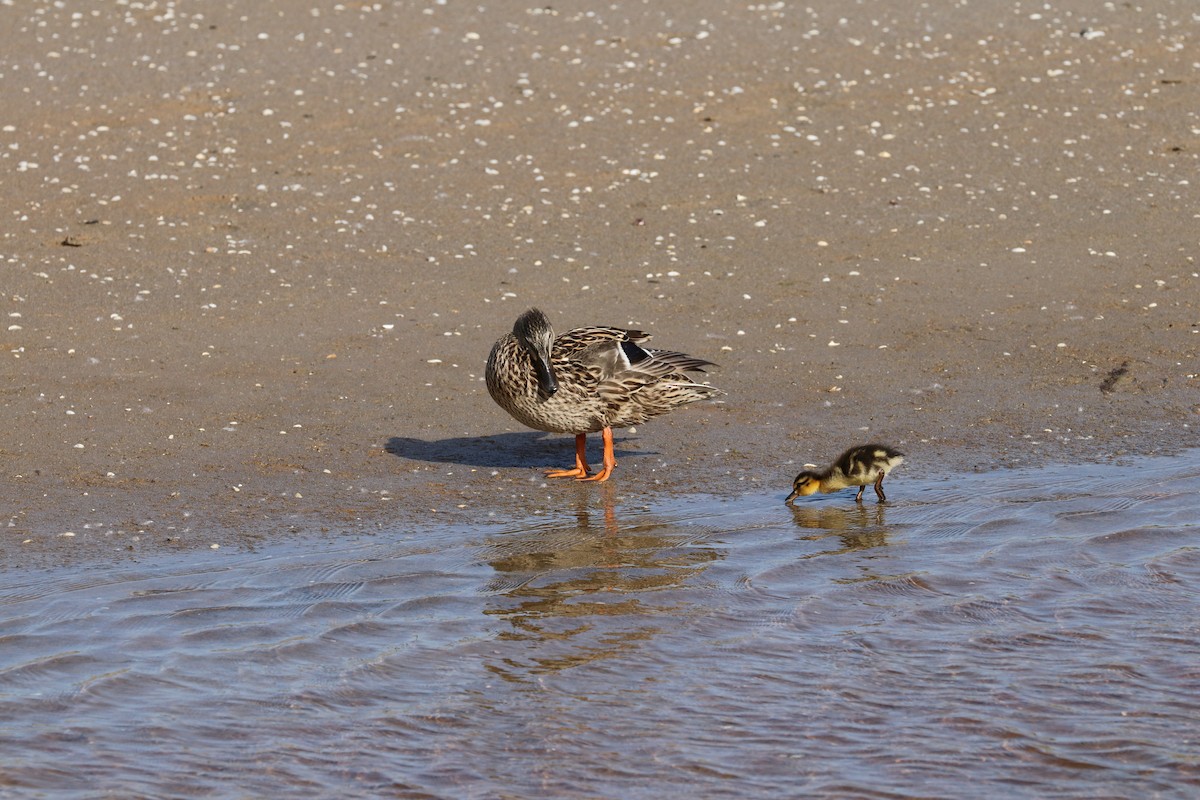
<point x="806" y="483"/>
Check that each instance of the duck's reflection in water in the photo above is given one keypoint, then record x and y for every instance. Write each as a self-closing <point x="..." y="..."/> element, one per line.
<point x="859" y="538"/>
<point x="582" y="593"/>
<point x="859" y="527"/>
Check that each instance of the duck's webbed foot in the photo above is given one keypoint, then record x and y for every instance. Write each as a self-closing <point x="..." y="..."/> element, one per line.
<point x="610" y="460"/>
<point x="578" y="472"/>
<point x="581" y="469"/>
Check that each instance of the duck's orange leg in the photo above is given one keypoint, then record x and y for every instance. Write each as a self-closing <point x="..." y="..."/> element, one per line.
<point x="610" y="460"/>
<point x="581" y="466"/>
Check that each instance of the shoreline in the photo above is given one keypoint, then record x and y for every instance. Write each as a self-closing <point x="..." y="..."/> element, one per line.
<point x="251" y="289"/>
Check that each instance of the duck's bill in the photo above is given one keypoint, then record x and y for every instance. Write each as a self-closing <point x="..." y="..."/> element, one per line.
<point x="545" y="376"/>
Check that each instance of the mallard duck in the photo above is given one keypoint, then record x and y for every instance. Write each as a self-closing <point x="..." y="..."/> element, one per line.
<point x="587" y="380"/>
<point x="859" y="466"/>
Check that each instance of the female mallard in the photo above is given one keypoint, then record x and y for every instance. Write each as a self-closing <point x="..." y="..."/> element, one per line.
<point x="859" y="466"/>
<point x="587" y="380"/>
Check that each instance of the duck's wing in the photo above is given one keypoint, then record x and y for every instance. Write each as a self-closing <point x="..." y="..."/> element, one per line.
<point x="679" y="363"/>
<point x="627" y="360"/>
<point x="600" y="350"/>
<point x="614" y="350"/>
<point x="585" y="357"/>
<point x="642" y="383"/>
<point x="577" y="340"/>
<point x="633" y="382"/>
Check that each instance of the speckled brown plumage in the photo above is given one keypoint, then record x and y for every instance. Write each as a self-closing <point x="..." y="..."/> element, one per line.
<point x="587" y="380"/>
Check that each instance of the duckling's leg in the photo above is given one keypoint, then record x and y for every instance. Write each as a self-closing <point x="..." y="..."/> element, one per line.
<point x="878" y="486"/>
<point x="610" y="460"/>
<point x="581" y="466"/>
<point x="858" y="497"/>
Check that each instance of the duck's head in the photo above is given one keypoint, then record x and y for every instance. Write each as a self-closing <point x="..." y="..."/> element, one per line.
<point x="533" y="331"/>
<point x="806" y="483"/>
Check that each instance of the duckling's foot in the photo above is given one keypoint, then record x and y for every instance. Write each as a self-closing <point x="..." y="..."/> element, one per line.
<point x="581" y="466"/>
<point x="878" y="487"/>
<point x="610" y="460"/>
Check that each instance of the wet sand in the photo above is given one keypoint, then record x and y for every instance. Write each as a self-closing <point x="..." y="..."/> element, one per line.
<point x="253" y="262"/>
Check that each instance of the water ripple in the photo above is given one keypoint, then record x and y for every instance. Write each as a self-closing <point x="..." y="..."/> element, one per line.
<point x="1015" y="632"/>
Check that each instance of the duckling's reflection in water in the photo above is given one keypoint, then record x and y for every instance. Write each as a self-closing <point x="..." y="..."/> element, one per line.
<point x="859" y="527"/>
<point x="579" y="594"/>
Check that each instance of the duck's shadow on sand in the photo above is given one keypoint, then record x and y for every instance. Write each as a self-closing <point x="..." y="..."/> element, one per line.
<point x="521" y="450"/>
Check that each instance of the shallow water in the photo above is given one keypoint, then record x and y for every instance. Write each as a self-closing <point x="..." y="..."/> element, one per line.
<point x="1028" y="634"/>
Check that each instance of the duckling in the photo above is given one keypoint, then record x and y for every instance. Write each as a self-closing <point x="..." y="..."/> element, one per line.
<point x="859" y="466"/>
